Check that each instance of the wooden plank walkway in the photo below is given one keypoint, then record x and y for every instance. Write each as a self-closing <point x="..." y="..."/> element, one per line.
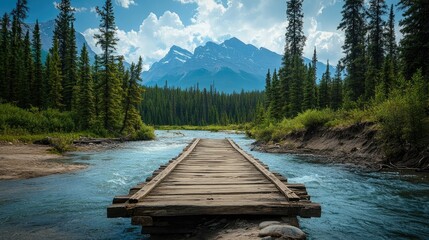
<point x="213" y="177"/>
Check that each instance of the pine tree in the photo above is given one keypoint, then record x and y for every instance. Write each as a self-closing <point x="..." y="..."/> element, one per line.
<point x="26" y="82"/>
<point x="324" y="89"/>
<point x="132" y="121"/>
<point x="36" y="88"/>
<point x="268" y="90"/>
<point x="110" y="84"/>
<point x="353" y="24"/>
<point x="70" y="77"/>
<point x="16" y="58"/>
<point x="85" y="93"/>
<point x="55" y="78"/>
<point x="276" y="103"/>
<point x="46" y="86"/>
<point x="336" y="89"/>
<point x="4" y="58"/>
<point x="414" y="50"/>
<point x="295" y="41"/>
<point x="391" y="46"/>
<point x="376" y="25"/>
<point x="390" y="67"/>
<point x="310" y="85"/>
<point x="65" y="35"/>
<point x="376" y="45"/>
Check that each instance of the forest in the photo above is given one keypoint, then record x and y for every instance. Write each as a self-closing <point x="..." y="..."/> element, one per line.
<point x="66" y="90"/>
<point x="196" y="107"/>
<point x="377" y="80"/>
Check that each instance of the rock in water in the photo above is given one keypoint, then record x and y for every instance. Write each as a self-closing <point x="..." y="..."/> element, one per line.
<point x="282" y="231"/>
<point x="265" y="224"/>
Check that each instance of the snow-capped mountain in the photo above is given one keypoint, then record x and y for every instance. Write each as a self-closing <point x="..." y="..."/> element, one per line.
<point x="229" y="66"/>
<point x="47" y="34"/>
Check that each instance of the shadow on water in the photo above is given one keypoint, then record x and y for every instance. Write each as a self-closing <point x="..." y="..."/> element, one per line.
<point x="355" y="204"/>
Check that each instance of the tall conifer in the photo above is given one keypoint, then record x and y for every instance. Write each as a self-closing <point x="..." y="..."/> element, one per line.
<point x="353" y="25"/>
<point x="36" y="88"/>
<point x="110" y="84"/>
<point x="4" y="58"/>
<point x="414" y="48"/>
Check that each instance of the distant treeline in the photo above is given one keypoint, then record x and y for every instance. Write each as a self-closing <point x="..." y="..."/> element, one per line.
<point x="174" y="106"/>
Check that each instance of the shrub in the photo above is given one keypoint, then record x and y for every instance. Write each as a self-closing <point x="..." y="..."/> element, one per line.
<point x="402" y="117"/>
<point x="145" y="133"/>
<point x="315" y="118"/>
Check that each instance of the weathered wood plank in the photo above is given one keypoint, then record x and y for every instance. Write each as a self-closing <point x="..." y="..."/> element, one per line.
<point x="291" y="196"/>
<point x="156" y="180"/>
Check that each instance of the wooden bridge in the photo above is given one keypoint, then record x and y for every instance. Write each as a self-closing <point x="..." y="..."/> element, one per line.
<point x="212" y="178"/>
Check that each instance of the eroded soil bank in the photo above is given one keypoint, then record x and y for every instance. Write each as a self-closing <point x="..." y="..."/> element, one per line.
<point x="355" y="144"/>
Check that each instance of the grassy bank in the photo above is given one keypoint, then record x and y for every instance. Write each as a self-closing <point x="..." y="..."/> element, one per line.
<point x="401" y="121"/>
<point x="53" y="127"/>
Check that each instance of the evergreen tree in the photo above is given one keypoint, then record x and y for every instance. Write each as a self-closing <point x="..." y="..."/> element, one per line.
<point x="110" y="84"/>
<point x="16" y="58"/>
<point x="310" y="85"/>
<point x="46" y="86"/>
<point x="70" y="77"/>
<point x="65" y="35"/>
<point x="24" y="92"/>
<point x="133" y="97"/>
<point x="268" y="90"/>
<point x="276" y="103"/>
<point x="390" y="68"/>
<point x="85" y="92"/>
<point x="414" y="48"/>
<point x="294" y="73"/>
<point x="4" y="58"/>
<point x="376" y="25"/>
<point x="336" y="89"/>
<point x="391" y="46"/>
<point x="353" y="24"/>
<point x="55" y="78"/>
<point x="324" y="89"/>
<point x="36" y="88"/>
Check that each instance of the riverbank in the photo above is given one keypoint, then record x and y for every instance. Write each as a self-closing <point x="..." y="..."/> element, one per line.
<point x="24" y="160"/>
<point x="355" y="144"/>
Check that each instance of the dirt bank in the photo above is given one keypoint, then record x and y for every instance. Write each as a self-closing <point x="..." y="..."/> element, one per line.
<point x="356" y="144"/>
<point x="21" y="161"/>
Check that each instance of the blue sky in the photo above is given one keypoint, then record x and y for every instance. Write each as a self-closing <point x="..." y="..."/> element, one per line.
<point x="150" y="27"/>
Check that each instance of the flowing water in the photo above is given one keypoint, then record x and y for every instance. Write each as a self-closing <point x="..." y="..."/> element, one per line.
<point x="355" y="204"/>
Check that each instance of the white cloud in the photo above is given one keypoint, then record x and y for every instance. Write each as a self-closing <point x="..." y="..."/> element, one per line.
<point x="126" y="3"/>
<point x="76" y="9"/>
<point x="328" y="44"/>
<point x="258" y="22"/>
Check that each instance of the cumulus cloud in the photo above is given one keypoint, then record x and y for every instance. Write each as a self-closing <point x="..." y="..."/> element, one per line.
<point x="328" y="44"/>
<point x="126" y="3"/>
<point x="259" y="22"/>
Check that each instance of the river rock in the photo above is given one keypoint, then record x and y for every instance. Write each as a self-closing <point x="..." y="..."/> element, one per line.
<point x="265" y="224"/>
<point x="282" y="231"/>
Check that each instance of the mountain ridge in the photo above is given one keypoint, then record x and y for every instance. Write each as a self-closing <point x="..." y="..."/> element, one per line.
<point x="230" y="66"/>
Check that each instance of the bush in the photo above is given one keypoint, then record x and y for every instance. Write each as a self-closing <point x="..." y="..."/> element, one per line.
<point x="402" y="118"/>
<point x="145" y="133"/>
<point x="315" y="118"/>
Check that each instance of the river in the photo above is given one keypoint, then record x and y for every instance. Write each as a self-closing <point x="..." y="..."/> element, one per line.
<point x="355" y="204"/>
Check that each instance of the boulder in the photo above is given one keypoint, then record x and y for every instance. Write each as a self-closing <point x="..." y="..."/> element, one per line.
<point x="282" y="231"/>
<point x="265" y="224"/>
